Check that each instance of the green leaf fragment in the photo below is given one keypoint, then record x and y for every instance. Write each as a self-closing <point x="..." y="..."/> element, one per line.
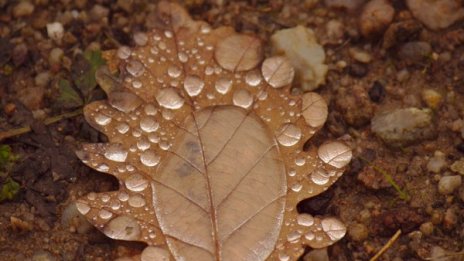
<point x="84" y="69"/>
<point x="9" y="190"/>
<point x="69" y="98"/>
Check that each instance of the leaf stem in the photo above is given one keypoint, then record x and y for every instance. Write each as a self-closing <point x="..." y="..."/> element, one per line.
<point x="15" y="132"/>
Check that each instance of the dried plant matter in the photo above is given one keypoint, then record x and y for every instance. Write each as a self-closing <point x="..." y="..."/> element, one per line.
<point x="207" y="144"/>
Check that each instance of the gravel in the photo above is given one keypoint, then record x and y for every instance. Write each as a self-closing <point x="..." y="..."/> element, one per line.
<point x="448" y="184"/>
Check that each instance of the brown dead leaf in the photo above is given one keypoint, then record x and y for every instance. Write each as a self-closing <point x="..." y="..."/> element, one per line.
<point x="207" y="144"/>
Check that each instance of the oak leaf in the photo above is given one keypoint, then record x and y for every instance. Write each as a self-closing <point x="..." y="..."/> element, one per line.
<point x="206" y="142"/>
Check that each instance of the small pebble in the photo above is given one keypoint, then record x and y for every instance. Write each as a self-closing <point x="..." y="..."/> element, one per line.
<point x="360" y="55"/>
<point x="448" y="184"/>
<point x="42" y="79"/>
<point x="358" y="232"/>
<point x="375" y="17"/>
<point x="432" y="98"/>
<point x="357" y="70"/>
<point x="43" y="255"/>
<point x="458" y="166"/>
<point x="55" y="31"/>
<point x="56" y="54"/>
<point x="437" y="162"/>
<point x="23" y="8"/>
<point x="426" y="228"/>
<point x="450" y="219"/>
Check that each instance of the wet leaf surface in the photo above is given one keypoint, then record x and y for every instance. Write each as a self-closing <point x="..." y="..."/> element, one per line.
<point x="206" y="142"/>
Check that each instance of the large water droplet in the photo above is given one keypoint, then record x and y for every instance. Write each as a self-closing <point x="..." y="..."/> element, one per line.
<point x="336" y="154"/>
<point x="149" y="124"/>
<point x="135" y="68"/>
<point x="193" y="85"/>
<point x="333" y="228"/>
<point x="223" y="85"/>
<point x="124" y="101"/>
<point x="169" y="98"/>
<point x="149" y="158"/>
<point x="123" y="228"/>
<point x="136" y="183"/>
<point x="289" y="134"/>
<point x="243" y="98"/>
<point x="277" y="71"/>
<point x="115" y="152"/>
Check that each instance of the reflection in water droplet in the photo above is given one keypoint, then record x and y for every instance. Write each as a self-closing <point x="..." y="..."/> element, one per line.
<point x="135" y="68"/>
<point x="253" y="78"/>
<point x="320" y="177"/>
<point x="104" y="214"/>
<point x="123" y="228"/>
<point x="305" y="220"/>
<point x="136" y="183"/>
<point x="193" y="85"/>
<point x="115" y="152"/>
<point x="102" y="119"/>
<point x="124" y="52"/>
<point x="149" y="158"/>
<point x="152" y="253"/>
<point x="82" y="208"/>
<point x="243" y="98"/>
<point x="289" y="134"/>
<point x="223" y="85"/>
<point x="149" y="124"/>
<point x="169" y="98"/>
<point x="174" y="71"/>
<point x="136" y="201"/>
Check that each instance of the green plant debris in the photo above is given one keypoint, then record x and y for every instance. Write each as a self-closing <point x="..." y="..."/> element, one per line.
<point x="8" y="187"/>
<point x="401" y="193"/>
<point x="69" y="98"/>
<point x="83" y="72"/>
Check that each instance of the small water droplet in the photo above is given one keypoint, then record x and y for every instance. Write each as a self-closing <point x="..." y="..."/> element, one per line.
<point x="293" y="237"/>
<point x="143" y="144"/>
<point x="297" y="187"/>
<point x="289" y="135"/>
<point x="277" y="71"/>
<point x="123" y="228"/>
<point x="122" y="128"/>
<point x="136" y="183"/>
<point x="91" y="196"/>
<point x="136" y="201"/>
<point x="151" y="253"/>
<point x="164" y="145"/>
<point x="103" y="167"/>
<point x="284" y="257"/>
<point x="123" y="196"/>
<point x="124" y="52"/>
<point x="205" y="29"/>
<point x="174" y="71"/>
<point x="169" y="98"/>
<point x="193" y="85"/>
<point x="115" y="152"/>
<point x="140" y="38"/>
<point x="253" y="78"/>
<point x="168" y="34"/>
<point x="82" y="208"/>
<point x="310" y="236"/>
<point x="115" y="205"/>
<point x="137" y="84"/>
<point x="135" y="68"/>
<point x="149" y="158"/>
<point x="183" y="57"/>
<point x="102" y="119"/>
<point x="320" y="177"/>
<point x="150" y="109"/>
<point x="305" y="220"/>
<point x="333" y="228"/>
<point x="104" y="214"/>
<point x="223" y="85"/>
<point x="152" y="137"/>
<point x="124" y="101"/>
<point x="149" y="124"/>
<point x="243" y="98"/>
<point x="300" y="162"/>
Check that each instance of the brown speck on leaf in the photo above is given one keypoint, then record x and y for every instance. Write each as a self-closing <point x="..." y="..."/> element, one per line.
<point x="206" y="142"/>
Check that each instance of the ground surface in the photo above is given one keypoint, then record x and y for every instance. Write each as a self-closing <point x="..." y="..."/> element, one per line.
<point x="34" y="68"/>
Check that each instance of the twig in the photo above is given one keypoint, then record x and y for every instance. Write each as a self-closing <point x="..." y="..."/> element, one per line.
<point x="387" y="245"/>
<point x="15" y="132"/>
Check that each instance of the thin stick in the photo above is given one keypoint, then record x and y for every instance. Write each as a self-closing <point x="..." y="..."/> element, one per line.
<point x="15" y="132"/>
<point x="387" y="245"/>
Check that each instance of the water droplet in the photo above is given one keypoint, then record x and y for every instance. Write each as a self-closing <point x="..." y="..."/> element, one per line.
<point x="122" y="128"/>
<point x="82" y="208"/>
<point x="164" y="145"/>
<point x="150" y="109"/>
<point x="115" y="152"/>
<point x="149" y="158"/>
<point x="336" y="154"/>
<point x="136" y="201"/>
<point x="253" y="78"/>
<point x="284" y="257"/>
<point x="140" y="38"/>
<point x="297" y="187"/>
<point x="243" y="98"/>
<point x="105" y="214"/>
<point x="152" y="137"/>
<point x="115" y="205"/>
<point x="149" y="124"/>
<point x="183" y="57"/>
<point x="168" y="34"/>
<point x="137" y="84"/>
<point x="123" y="228"/>
<point x="136" y="183"/>
<point x="91" y="196"/>
<point x="314" y="109"/>
<point x="174" y="71"/>
<point x="293" y="237"/>
<point x="103" y="167"/>
<point x="151" y="253"/>
<point x="124" y="52"/>
<point x="135" y="68"/>
<point x="277" y="71"/>
<point x="104" y="198"/>
<point x="223" y="85"/>
<point x="320" y="177"/>
<point x="205" y="29"/>
<point x="300" y="162"/>
<point x="193" y="85"/>
<point x="169" y="98"/>
<point x="333" y="228"/>
<point x="289" y="134"/>
<point x="124" y="101"/>
<point x="143" y="144"/>
<point x="102" y="119"/>
<point x="123" y="196"/>
<point x="310" y="236"/>
<point x="305" y="220"/>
